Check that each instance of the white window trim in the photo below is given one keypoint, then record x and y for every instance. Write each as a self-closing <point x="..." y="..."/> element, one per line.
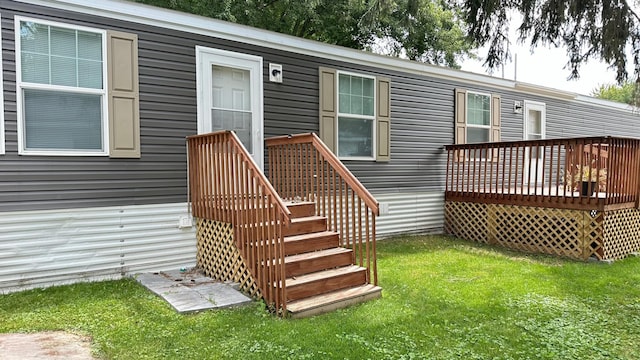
<point x="2" y="136"/>
<point x="20" y="86"/>
<point x="466" y="113"/>
<point x="364" y="117"/>
<point x="478" y="157"/>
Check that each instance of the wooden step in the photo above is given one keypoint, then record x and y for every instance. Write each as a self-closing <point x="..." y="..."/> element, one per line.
<point x="305" y="225"/>
<point x="298" y="244"/>
<point x="332" y="301"/>
<point x="325" y="281"/>
<point x="299" y="226"/>
<point x="306" y="263"/>
<point x="303" y="243"/>
<point x="301" y="208"/>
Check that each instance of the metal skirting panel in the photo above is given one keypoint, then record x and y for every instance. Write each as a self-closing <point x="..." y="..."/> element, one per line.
<point x="413" y="212"/>
<point x="53" y="247"/>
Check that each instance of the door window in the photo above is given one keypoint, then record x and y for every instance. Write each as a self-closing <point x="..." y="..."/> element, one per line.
<point x="230" y="96"/>
<point x="231" y="102"/>
<point x="534" y="129"/>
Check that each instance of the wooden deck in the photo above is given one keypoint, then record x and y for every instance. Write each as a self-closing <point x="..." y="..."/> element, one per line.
<point x="547" y="197"/>
<point x="504" y="193"/>
<point x="547" y="173"/>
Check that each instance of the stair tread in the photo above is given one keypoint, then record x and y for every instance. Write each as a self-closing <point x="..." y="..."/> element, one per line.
<point x="325" y="274"/>
<point x="294" y="240"/>
<point x="299" y="202"/>
<point x="308" y="218"/>
<point x="316" y="254"/>
<point x="309" y="235"/>
<point x="334" y="297"/>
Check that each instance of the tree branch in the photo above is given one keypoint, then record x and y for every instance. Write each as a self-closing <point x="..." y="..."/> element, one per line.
<point x="630" y="9"/>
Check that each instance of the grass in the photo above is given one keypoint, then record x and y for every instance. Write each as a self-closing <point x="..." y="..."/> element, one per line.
<point x="442" y="299"/>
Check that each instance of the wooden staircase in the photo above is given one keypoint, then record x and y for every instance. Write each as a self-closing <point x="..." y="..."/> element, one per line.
<point x="320" y="274"/>
<point x="268" y="233"/>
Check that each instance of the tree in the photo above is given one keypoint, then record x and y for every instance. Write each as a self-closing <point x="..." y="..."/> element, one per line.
<point x="425" y="30"/>
<point x="625" y="93"/>
<point x="589" y="29"/>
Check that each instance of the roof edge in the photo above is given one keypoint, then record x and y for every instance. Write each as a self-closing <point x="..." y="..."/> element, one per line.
<point x="543" y="90"/>
<point x="175" y="20"/>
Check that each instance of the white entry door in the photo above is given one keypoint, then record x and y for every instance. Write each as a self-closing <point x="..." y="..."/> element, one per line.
<point x="534" y="129"/>
<point x="230" y="96"/>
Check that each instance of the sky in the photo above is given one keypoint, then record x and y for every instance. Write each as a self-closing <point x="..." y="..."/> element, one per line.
<point x="545" y="66"/>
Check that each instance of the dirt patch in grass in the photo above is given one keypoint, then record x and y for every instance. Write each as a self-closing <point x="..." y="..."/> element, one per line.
<point x="51" y="345"/>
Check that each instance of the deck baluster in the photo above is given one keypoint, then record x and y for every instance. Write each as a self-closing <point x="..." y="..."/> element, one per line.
<point x="349" y="208"/>
<point x="547" y="171"/>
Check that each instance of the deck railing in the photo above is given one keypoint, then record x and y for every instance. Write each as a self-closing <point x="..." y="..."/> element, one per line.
<point x="548" y="173"/>
<point x="301" y="167"/>
<point x="226" y="185"/>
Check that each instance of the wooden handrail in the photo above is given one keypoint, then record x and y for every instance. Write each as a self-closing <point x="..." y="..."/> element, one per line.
<point x="254" y="167"/>
<point x="302" y="168"/>
<point x="227" y="186"/>
<point x="330" y="157"/>
<point x="547" y="172"/>
<point x="541" y="142"/>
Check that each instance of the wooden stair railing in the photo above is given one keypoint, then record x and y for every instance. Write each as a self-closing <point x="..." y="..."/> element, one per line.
<point x="509" y="172"/>
<point x="226" y="185"/>
<point x="302" y="168"/>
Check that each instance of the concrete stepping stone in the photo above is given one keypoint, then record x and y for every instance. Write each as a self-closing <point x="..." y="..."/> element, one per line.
<point x="192" y="291"/>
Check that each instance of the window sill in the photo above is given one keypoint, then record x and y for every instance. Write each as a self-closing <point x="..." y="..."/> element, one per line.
<point x="61" y="153"/>
<point x="343" y="158"/>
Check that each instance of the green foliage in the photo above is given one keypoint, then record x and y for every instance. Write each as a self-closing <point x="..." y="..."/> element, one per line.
<point x="588" y="29"/>
<point x="627" y="93"/>
<point x="442" y="299"/>
<point x="423" y="30"/>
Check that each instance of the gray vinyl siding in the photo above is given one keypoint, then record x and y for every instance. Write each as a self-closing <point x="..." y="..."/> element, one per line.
<point x="167" y="109"/>
<point x="422" y="109"/>
<point x="566" y="118"/>
<point x="168" y="114"/>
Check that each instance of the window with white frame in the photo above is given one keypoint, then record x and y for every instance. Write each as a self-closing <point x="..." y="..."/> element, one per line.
<point x="356" y="116"/>
<point x="61" y="89"/>
<point x="478" y="117"/>
<point x="479" y="120"/>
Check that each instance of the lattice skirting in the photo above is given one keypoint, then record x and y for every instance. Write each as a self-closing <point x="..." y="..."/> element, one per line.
<point x="219" y="258"/>
<point x="622" y="230"/>
<point x="466" y="220"/>
<point x="576" y="234"/>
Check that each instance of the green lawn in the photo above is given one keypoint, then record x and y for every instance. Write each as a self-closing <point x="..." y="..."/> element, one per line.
<point x="442" y="299"/>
